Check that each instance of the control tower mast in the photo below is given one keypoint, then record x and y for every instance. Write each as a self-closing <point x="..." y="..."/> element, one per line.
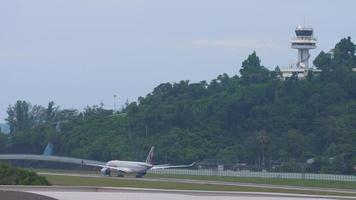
<point x="303" y="41"/>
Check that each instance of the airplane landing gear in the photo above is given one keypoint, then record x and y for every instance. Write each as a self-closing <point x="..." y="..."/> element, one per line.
<point x="140" y="175"/>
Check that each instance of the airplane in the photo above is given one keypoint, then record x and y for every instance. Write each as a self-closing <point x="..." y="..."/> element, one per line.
<point x="132" y="167"/>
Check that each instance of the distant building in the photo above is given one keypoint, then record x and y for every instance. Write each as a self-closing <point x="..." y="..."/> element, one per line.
<point x="303" y="42"/>
<point x="220" y="167"/>
<point x="288" y="72"/>
<point x="300" y="73"/>
<point x="311" y="160"/>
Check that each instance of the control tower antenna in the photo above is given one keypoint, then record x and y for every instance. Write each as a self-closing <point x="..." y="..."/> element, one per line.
<point x="303" y="41"/>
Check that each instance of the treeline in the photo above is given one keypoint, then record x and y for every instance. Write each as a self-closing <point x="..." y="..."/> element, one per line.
<point x="256" y="118"/>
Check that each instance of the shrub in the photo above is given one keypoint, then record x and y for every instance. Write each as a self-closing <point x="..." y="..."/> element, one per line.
<point x="15" y="176"/>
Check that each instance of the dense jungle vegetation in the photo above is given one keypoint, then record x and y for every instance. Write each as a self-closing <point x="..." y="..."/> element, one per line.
<point x="254" y="118"/>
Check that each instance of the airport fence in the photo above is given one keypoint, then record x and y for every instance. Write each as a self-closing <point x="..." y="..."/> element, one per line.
<point x="249" y="174"/>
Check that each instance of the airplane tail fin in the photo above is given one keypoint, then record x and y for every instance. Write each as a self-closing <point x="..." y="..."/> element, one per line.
<point x="149" y="159"/>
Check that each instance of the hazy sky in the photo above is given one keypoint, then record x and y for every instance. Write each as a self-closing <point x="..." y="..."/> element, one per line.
<point x="82" y="52"/>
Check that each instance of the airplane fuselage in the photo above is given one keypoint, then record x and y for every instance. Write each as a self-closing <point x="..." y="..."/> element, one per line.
<point x="135" y="167"/>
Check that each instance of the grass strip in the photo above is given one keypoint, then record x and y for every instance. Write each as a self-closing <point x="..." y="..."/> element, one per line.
<point x="269" y="181"/>
<point x="113" y="182"/>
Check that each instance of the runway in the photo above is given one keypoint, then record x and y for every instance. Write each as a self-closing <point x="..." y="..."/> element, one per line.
<point x="107" y="193"/>
<point x="195" y="181"/>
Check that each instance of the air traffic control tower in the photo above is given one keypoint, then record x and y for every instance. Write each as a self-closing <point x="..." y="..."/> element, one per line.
<point x="303" y="42"/>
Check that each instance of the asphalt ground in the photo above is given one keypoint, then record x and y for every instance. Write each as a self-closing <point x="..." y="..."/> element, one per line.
<point x="19" y="195"/>
<point x="107" y="193"/>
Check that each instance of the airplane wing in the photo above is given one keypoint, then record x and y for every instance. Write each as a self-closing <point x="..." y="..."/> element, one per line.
<point x="171" y="166"/>
<point x="60" y="159"/>
<point x="120" y="169"/>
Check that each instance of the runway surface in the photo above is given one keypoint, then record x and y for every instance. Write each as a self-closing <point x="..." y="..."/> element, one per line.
<point x="165" y="196"/>
<point x="106" y="193"/>
<point x="16" y="195"/>
<point x="195" y="181"/>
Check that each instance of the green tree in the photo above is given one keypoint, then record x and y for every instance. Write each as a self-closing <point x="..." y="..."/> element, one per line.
<point x="344" y="52"/>
<point x="338" y="63"/>
<point x="51" y="111"/>
<point x="19" y="117"/>
<point x="252" y="71"/>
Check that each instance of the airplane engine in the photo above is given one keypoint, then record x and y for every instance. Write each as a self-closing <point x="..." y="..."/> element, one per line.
<point x="105" y="171"/>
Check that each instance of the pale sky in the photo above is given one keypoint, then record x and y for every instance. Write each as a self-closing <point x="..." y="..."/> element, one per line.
<point x="82" y="52"/>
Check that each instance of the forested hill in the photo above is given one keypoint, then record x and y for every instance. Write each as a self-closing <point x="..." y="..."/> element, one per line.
<point x="255" y="118"/>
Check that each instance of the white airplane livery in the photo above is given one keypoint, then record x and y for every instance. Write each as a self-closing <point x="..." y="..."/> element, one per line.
<point x="132" y="167"/>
